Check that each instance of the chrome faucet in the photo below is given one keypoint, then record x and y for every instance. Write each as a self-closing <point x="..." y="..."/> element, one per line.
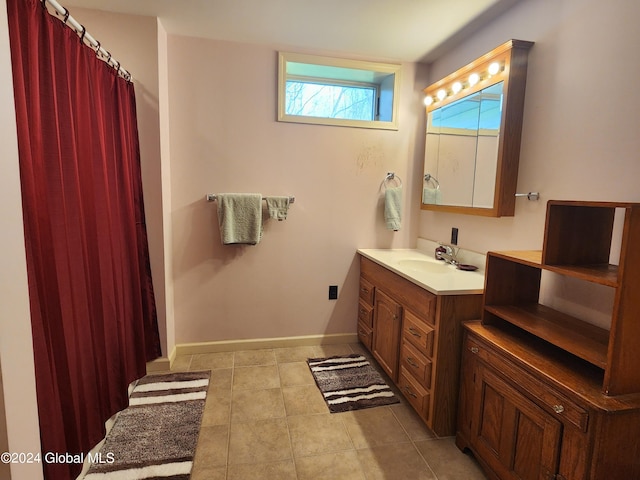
<point x="447" y="253"/>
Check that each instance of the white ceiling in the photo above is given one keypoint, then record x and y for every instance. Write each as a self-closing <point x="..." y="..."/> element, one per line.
<point x="404" y="30"/>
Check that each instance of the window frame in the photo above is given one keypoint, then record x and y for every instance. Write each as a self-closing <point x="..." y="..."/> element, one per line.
<point x="381" y="69"/>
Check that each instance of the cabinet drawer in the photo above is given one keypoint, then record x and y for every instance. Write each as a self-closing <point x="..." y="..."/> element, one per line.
<point x="541" y="393"/>
<point x="418" y="397"/>
<point x="367" y="291"/>
<point x="365" y="314"/>
<point x="365" y="335"/>
<point x="418" y="332"/>
<point x="416" y="363"/>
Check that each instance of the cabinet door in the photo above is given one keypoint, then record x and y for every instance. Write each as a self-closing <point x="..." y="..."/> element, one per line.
<point x="516" y="438"/>
<point x="386" y="333"/>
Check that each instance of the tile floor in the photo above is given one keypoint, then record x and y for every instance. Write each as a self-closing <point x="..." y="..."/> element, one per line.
<point x="265" y="419"/>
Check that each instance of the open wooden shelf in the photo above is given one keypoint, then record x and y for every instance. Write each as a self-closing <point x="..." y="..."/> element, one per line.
<point x="581" y="339"/>
<point x="577" y="243"/>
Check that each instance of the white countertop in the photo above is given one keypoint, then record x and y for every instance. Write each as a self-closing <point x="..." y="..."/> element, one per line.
<point x="424" y="270"/>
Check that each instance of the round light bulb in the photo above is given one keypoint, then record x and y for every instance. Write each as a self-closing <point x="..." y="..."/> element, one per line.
<point x="494" y="68"/>
<point x="473" y="79"/>
<point x="442" y="94"/>
<point x="428" y="100"/>
<point x="456" y="87"/>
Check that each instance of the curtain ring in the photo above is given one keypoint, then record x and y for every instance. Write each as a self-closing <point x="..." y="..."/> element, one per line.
<point x="97" y="48"/>
<point x="66" y="15"/>
<point x="109" y="59"/>
<point x="84" y="30"/>
<point x="43" y="3"/>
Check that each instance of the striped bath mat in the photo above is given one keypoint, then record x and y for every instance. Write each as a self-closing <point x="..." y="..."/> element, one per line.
<point x="349" y="382"/>
<point x="155" y="437"/>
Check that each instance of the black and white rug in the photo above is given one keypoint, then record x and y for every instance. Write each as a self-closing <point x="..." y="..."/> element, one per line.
<point x="349" y="382"/>
<point x="156" y="436"/>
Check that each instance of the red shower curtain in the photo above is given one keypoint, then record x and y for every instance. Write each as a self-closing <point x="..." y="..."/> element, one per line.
<point x="92" y="306"/>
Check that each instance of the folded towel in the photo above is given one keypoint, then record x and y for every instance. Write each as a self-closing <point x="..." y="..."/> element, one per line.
<point x="278" y="207"/>
<point x="393" y="207"/>
<point x="432" y="196"/>
<point x="240" y="217"/>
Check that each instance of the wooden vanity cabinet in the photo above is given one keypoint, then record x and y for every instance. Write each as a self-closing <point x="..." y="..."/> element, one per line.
<point x="416" y="338"/>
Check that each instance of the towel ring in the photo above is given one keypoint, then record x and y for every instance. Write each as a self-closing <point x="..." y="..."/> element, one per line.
<point x="428" y="177"/>
<point x="391" y="176"/>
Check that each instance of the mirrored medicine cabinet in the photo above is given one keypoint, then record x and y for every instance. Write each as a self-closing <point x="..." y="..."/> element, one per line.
<point x="474" y="125"/>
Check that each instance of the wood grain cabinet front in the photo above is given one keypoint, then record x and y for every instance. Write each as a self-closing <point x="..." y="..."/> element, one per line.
<point x="416" y="338"/>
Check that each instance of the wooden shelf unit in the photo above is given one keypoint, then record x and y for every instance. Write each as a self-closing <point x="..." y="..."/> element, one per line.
<point x="577" y="243"/>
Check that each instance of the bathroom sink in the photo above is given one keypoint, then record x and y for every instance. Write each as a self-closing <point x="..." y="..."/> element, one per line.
<point x="420" y="265"/>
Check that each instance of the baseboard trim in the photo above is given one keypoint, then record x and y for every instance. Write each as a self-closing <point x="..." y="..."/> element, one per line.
<point x="261" y="343"/>
<point x="162" y="364"/>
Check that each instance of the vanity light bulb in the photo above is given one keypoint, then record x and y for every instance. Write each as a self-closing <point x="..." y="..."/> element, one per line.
<point x="441" y="94"/>
<point x="473" y="79"/>
<point x="456" y="87"/>
<point x="428" y="100"/>
<point x="494" y="68"/>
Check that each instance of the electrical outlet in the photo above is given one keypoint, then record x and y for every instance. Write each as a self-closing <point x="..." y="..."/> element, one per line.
<point x="454" y="236"/>
<point x="333" y="292"/>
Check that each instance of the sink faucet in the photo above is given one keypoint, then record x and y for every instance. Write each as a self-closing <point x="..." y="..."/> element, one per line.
<point x="447" y="253"/>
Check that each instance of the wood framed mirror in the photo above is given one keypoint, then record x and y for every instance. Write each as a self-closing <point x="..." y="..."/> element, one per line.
<point x="474" y="126"/>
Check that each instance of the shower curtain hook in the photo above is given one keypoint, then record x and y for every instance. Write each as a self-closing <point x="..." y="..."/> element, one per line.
<point x="97" y="48"/>
<point x="84" y="31"/>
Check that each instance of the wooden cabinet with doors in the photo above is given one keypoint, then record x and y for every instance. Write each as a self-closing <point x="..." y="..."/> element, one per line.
<point x="416" y="338"/>
<point x="544" y="394"/>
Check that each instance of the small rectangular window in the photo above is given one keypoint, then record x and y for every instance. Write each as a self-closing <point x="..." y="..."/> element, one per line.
<point x="332" y="91"/>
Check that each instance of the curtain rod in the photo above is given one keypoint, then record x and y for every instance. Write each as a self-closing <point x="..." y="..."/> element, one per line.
<point x="86" y="38"/>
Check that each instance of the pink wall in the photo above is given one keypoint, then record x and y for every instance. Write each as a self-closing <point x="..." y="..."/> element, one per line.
<point x="225" y="138"/>
<point x="580" y="137"/>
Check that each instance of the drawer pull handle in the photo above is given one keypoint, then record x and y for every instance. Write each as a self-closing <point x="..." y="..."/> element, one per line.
<point x="363" y="311"/>
<point x="411" y="362"/>
<point x="364" y="290"/>
<point x="362" y="332"/>
<point x="474" y="349"/>
<point x="409" y="392"/>
<point x="558" y="408"/>
<point x="414" y="332"/>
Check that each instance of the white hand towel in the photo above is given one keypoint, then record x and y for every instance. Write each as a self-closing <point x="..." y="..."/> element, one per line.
<point x="393" y="208"/>
<point x="240" y="218"/>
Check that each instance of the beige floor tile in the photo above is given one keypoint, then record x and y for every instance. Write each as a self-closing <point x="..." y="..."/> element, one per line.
<point x="220" y="379"/>
<point x="210" y="473"/>
<point x="264" y="441"/>
<point x="372" y="427"/>
<point x="256" y="377"/>
<point x="303" y="400"/>
<point x="295" y="373"/>
<point x="317" y="434"/>
<point x="211" y="361"/>
<point x="412" y="424"/>
<point x="296" y="354"/>
<point x="447" y="461"/>
<point x="211" y="450"/>
<point x="263" y="471"/>
<point x="246" y="358"/>
<point x="394" y="461"/>
<point x="252" y="405"/>
<point x="181" y="363"/>
<point x="330" y="466"/>
<point x="217" y="409"/>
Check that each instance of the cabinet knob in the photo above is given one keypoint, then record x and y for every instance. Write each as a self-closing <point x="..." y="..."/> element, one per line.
<point x="558" y="408"/>
<point x="414" y="332"/>
<point x="474" y="349"/>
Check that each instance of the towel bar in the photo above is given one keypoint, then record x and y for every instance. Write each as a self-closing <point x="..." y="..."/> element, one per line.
<point x="530" y="195"/>
<point x="212" y="197"/>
